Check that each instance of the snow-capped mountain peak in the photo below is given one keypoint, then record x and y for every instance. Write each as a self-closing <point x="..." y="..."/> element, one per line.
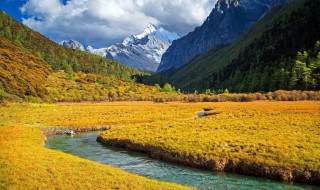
<point x="72" y="44"/>
<point x="142" y="51"/>
<point x="151" y="31"/>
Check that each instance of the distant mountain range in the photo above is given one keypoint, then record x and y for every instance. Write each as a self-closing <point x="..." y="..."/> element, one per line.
<point x="142" y="52"/>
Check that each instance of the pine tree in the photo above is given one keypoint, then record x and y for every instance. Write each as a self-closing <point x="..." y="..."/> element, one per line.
<point x="8" y="33"/>
<point x="167" y="88"/>
<point x="293" y="80"/>
<point x="207" y="92"/>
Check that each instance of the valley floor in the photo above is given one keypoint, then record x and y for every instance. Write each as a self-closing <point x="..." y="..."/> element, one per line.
<point x="26" y="164"/>
<point x="280" y="139"/>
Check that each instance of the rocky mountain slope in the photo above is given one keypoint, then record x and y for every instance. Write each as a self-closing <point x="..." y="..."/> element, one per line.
<point x="228" y="20"/>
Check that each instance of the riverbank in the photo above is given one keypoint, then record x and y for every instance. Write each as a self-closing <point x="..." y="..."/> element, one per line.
<point x="85" y="146"/>
<point x="220" y="164"/>
<point x="26" y="164"/>
<point x="272" y="140"/>
<point x="71" y="131"/>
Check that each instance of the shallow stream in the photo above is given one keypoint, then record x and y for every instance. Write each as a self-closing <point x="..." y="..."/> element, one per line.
<point x="85" y="146"/>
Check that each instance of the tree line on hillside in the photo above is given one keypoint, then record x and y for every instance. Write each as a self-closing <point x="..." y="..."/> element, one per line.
<point x="299" y="73"/>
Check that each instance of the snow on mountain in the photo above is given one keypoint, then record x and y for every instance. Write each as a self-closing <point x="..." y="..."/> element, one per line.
<point x="102" y="51"/>
<point x="72" y="44"/>
<point x="157" y="32"/>
<point x="143" y="51"/>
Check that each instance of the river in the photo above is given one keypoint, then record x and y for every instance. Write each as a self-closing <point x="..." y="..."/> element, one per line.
<point x="85" y="146"/>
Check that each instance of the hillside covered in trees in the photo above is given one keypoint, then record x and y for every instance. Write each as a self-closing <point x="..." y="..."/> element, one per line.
<point x="34" y="68"/>
<point x="281" y="51"/>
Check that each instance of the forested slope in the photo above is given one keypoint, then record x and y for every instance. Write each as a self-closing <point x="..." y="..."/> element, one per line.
<point x="21" y="73"/>
<point x="265" y="57"/>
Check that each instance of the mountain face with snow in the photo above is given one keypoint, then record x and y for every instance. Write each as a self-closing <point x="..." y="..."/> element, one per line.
<point x="228" y="20"/>
<point x="72" y="44"/>
<point x="142" y="52"/>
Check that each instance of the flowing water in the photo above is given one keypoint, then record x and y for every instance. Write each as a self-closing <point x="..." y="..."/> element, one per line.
<point x="85" y="146"/>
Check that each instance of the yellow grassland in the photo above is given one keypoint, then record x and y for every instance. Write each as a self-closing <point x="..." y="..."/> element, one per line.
<point x="284" y="134"/>
<point x="26" y="164"/>
<point x="94" y="114"/>
<point x="280" y="134"/>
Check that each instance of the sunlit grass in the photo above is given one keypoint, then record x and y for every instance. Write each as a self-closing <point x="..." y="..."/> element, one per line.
<point x="26" y="164"/>
<point x="282" y="134"/>
<point x="94" y="114"/>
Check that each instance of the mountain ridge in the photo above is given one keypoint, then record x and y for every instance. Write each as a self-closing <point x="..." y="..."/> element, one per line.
<point x="142" y="51"/>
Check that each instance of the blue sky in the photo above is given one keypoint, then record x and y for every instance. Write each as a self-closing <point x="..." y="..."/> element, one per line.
<point x="11" y="7"/>
<point x="100" y="23"/>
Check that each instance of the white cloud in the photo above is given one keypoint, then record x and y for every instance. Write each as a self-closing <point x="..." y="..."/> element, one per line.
<point x="102" y="22"/>
<point x="42" y="8"/>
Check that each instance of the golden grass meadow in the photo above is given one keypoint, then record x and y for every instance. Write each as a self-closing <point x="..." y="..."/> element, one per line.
<point x="272" y="134"/>
<point x="26" y="164"/>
